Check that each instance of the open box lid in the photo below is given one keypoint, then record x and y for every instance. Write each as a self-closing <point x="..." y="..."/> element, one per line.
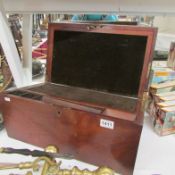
<point x="105" y="58"/>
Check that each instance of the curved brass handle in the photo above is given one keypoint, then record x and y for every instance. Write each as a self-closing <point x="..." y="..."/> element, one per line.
<point x="93" y="27"/>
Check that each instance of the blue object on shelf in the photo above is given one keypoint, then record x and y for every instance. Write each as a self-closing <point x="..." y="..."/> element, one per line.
<point x="95" y="17"/>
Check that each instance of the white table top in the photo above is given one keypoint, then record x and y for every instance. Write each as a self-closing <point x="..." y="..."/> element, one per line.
<point x="156" y="155"/>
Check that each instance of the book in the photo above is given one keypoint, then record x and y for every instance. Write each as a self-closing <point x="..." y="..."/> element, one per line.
<point x="160" y="75"/>
<point x="168" y="86"/>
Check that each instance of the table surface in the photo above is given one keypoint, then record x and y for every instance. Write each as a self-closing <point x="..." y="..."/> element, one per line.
<point x="156" y="155"/>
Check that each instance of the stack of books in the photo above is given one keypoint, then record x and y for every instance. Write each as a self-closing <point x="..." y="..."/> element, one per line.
<point x="161" y="107"/>
<point x="161" y="103"/>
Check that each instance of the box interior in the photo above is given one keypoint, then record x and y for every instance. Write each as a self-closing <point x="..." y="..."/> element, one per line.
<point x="89" y="96"/>
<point x="103" y="62"/>
<point x="96" y="68"/>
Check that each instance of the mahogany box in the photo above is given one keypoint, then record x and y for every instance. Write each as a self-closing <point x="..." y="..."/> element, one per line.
<point x="91" y="103"/>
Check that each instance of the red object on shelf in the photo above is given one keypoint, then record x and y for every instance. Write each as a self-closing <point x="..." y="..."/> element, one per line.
<point x="41" y="51"/>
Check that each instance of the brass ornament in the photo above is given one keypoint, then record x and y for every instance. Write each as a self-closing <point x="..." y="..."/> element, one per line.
<point x="50" y="166"/>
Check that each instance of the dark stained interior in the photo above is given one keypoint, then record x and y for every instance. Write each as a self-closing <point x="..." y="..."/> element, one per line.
<point x="26" y="94"/>
<point x="90" y="96"/>
<point x="98" y="61"/>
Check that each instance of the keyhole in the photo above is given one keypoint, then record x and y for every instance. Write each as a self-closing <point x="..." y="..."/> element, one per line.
<point x="59" y="113"/>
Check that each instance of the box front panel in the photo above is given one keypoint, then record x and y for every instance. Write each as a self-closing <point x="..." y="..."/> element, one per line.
<point x="92" y="138"/>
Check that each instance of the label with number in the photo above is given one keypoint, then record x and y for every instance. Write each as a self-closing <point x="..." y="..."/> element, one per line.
<point x="107" y="124"/>
<point x="7" y="99"/>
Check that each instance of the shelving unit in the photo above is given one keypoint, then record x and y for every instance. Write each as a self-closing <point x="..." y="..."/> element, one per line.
<point x="22" y="73"/>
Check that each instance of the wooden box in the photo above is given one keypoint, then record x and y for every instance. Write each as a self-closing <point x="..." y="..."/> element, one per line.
<point x="91" y="104"/>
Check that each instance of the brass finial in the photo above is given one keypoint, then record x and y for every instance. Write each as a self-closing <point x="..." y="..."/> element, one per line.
<point x="51" y="149"/>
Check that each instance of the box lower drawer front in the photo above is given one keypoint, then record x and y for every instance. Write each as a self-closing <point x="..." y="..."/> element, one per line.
<point x="92" y="138"/>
